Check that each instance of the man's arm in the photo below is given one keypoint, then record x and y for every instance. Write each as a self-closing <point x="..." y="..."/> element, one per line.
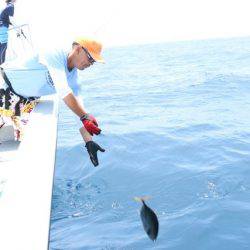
<point x="17" y="28"/>
<point x="92" y="147"/>
<point x="72" y="102"/>
<point x="12" y="21"/>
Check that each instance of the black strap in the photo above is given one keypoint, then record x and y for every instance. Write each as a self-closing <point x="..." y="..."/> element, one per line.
<point x="7" y="81"/>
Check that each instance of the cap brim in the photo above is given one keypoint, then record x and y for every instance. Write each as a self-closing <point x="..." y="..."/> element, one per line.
<point x="97" y="58"/>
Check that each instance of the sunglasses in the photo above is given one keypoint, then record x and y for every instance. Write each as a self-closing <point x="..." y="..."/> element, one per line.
<point x="90" y="58"/>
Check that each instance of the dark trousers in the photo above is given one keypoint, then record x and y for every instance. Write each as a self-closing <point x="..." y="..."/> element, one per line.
<point x="3" y="47"/>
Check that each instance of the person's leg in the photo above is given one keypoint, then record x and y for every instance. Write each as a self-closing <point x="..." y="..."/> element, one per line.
<point x="2" y="98"/>
<point x="2" y="122"/>
<point x="3" y="48"/>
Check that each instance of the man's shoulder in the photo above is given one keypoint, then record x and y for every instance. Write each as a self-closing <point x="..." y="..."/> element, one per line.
<point x="52" y="56"/>
<point x="51" y="52"/>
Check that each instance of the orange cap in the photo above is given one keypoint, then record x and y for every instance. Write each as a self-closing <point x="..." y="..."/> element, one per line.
<point x="94" y="48"/>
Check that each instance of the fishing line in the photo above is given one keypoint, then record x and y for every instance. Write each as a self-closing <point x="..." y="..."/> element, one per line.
<point x="108" y="19"/>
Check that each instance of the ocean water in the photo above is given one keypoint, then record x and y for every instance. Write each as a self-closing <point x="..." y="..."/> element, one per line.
<point x="176" y="126"/>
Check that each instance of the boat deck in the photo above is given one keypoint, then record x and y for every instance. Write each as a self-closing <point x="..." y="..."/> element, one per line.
<point x="7" y="151"/>
<point x="26" y="180"/>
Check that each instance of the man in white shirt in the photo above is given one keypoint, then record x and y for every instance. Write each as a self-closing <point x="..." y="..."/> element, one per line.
<point x="56" y="72"/>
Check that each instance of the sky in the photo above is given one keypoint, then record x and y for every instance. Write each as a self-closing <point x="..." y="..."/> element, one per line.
<point x="125" y="22"/>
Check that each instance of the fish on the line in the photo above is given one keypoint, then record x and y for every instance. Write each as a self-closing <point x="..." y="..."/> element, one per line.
<point x="149" y="219"/>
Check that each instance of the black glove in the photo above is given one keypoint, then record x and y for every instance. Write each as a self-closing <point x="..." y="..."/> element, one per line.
<point x="92" y="148"/>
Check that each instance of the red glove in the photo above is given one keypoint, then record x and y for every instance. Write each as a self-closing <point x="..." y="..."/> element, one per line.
<point x="90" y="124"/>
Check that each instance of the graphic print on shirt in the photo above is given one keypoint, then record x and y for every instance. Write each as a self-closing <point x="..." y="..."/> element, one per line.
<point x="49" y="80"/>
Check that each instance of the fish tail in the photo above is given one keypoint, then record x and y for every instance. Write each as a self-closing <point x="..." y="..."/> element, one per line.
<point x="142" y="198"/>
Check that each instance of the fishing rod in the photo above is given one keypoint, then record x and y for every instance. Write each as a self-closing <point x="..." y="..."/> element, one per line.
<point x="18" y="26"/>
<point x="21" y="34"/>
<point x="22" y="43"/>
<point x="19" y="29"/>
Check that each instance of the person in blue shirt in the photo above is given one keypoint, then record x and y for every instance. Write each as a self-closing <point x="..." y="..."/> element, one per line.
<point x="53" y="72"/>
<point x="5" y="15"/>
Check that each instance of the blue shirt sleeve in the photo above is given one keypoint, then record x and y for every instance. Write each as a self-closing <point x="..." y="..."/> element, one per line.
<point x="10" y="10"/>
<point x="5" y="15"/>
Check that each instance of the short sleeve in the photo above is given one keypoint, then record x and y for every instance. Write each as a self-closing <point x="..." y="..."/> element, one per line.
<point x="54" y="61"/>
<point x="10" y="10"/>
<point x="60" y="82"/>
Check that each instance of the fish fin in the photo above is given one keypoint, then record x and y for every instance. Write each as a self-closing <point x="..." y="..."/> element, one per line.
<point x="142" y="198"/>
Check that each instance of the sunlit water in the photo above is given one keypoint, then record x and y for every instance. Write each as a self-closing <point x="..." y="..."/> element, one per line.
<point x="176" y="126"/>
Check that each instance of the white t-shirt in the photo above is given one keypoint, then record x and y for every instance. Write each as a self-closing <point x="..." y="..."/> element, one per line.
<point x="42" y="74"/>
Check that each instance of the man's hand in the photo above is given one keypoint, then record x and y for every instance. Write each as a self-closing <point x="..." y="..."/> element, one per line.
<point x="90" y="124"/>
<point x="92" y="148"/>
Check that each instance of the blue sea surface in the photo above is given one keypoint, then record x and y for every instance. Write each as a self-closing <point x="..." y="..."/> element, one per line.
<point x="175" y="119"/>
